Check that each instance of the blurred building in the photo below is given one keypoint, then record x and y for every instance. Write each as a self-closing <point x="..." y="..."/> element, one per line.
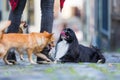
<point x="70" y="16"/>
<point x="103" y="20"/>
<point x="31" y="13"/>
<point x="4" y="9"/>
<point x="101" y="23"/>
<point x="98" y="21"/>
<point x="115" y="24"/>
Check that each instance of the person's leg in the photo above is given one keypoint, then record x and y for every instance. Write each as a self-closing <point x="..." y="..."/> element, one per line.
<point x="47" y="7"/>
<point x="15" y="18"/>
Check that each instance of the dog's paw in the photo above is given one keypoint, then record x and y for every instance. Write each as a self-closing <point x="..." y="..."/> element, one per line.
<point x="9" y="63"/>
<point x="33" y="63"/>
<point x="99" y="61"/>
<point x="48" y="60"/>
<point x="55" y="62"/>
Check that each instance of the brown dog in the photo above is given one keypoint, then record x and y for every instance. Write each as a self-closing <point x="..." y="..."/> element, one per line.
<point x="23" y="28"/>
<point x="32" y="43"/>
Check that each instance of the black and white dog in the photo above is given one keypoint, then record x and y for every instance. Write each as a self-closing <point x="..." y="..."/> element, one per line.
<point x="69" y="50"/>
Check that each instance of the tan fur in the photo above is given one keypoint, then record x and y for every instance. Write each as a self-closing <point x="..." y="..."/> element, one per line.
<point x="22" y="26"/>
<point x="32" y="43"/>
<point x="2" y="29"/>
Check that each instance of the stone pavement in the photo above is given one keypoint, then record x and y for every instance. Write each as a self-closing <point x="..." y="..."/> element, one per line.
<point x="67" y="71"/>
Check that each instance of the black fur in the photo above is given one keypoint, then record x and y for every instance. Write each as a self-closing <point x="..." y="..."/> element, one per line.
<point x="77" y="52"/>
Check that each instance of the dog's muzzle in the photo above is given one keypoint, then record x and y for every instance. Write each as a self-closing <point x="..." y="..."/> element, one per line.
<point x="63" y="34"/>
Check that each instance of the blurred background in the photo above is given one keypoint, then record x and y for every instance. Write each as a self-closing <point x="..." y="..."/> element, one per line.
<point x="95" y="22"/>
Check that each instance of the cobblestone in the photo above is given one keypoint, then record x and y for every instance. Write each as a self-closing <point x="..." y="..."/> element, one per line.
<point x="67" y="71"/>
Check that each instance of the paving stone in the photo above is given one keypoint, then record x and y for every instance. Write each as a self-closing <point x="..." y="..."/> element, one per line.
<point x="67" y="71"/>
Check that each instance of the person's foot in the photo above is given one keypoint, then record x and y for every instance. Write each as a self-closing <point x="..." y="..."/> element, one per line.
<point x="11" y="56"/>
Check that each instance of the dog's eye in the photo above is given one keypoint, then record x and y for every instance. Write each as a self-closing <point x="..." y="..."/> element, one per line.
<point x="67" y="32"/>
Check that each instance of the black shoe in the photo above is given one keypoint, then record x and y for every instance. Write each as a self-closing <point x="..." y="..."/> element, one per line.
<point x="11" y="56"/>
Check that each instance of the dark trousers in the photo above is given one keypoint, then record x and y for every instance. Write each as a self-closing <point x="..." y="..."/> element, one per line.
<point x="46" y="22"/>
<point x="47" y="7"/>
<point x="15" y="18"/>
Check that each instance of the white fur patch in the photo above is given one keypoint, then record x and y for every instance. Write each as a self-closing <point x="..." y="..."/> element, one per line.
<point x="62" y="48"/>
<point x="24" y="30"/>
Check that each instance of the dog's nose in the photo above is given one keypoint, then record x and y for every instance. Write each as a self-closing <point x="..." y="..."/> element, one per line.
<point x="63" y="33"/>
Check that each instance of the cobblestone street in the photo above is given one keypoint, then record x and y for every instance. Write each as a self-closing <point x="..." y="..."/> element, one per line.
<point x="67" y="71"/>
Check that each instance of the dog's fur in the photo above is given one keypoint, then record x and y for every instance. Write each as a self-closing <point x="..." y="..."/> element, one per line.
<point x="32" y="43"/>
<point x="23" y="28"/>
<point x="69" y="50"/>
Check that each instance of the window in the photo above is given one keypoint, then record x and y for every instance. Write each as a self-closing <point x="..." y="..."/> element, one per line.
<point x="102" y="13"/>
<point x="105" y="15"/>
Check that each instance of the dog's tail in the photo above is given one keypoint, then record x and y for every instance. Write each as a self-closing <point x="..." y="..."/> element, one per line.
<point x="2" y="29"/>
<point x="6" y="26"/>
<point x="101" y="58"/>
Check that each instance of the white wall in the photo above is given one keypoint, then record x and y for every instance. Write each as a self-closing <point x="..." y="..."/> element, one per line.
<point x="0" y="4"/>
<point x="5" y="13"/>
<point x="37" y="16"/>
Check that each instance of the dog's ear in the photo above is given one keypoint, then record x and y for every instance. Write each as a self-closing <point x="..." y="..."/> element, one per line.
<point x="48" y="35"/>
<point x="51" y="34"/>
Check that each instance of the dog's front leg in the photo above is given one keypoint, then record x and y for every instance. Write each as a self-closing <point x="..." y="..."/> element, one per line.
<point x="30" y="51"/>
<point x="21" y="54"/>
<point x="43" y="57"/>
<point x="5" y="59"/>
<point x="21" y="57"/>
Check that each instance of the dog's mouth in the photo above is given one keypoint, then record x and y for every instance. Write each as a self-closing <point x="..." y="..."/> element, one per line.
<point x="64" y="35"/>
